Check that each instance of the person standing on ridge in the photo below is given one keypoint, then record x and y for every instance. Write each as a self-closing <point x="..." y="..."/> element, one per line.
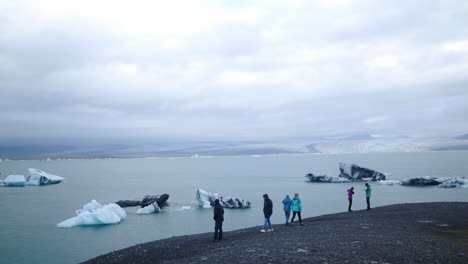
<point x="296" y="208"/>
<point x="267" y="211"/>
<point x="287" y="208"/>
<point x="218" y="213"/>
<point x="368" y="195"/>
<point x="350" y="198"/>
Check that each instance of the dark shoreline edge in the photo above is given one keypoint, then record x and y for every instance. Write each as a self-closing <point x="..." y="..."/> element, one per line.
<point x="401" y="233"/>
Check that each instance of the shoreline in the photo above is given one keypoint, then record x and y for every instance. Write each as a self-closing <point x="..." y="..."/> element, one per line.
<point x="401" y="233"/>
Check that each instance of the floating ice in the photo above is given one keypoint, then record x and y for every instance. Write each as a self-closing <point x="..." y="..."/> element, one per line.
<point x="443" y="182"/>
<point x="206" y="200"/>
<point x="149" y="209"/>
<point x="354" y="172"/>
<point x="389" y="182"/>
<point x="94" y="214"/>
<point x="324" y="178"/>
<point x="183" y="208"/>
<point x="14" y="181"/>
<point x="39" y="177"/>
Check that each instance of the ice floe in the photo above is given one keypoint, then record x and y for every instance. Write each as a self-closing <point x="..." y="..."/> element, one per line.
<point x="94" y="213"/>
<point x="206" y="200"/>
<point x="14" y="181"/>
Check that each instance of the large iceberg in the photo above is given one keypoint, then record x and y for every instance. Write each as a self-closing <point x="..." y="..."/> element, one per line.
<point x="354" y="172"/>
<point x="38" y="177"/>
<point x="422" y="181"/>
<point x="324" y="178"/>
<point x="14" y="181"/>
<point x="206" y="200"/>
<point x="94" y="213"/>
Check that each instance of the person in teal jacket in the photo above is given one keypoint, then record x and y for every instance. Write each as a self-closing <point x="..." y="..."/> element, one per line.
<point x="368" y="195"/>
<point x="296" y="208"/>
<point x="287" y="208"/>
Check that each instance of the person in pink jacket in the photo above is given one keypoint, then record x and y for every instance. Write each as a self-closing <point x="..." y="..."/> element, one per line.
<point x="350" y="198"/>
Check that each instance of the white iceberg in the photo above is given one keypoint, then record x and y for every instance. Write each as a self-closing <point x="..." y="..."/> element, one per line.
<point x="206" y="200"/>
<point x="389" y="182"/>
<point x="454" y="183"/>
<point x="94" y="213"/>
<point x="149" y="209"/>
<point x="14" y="181"/>
<point x="38" y="177"/>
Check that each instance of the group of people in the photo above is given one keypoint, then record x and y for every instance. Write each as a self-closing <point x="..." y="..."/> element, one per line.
<point x="294" y="205"/>
<point x="368" y="191"/>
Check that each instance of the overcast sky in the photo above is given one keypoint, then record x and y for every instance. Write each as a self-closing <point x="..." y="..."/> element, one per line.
<point x="232" y="70"/>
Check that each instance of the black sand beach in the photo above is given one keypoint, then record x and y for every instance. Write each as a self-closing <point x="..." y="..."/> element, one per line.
<point x="402" y="233"/>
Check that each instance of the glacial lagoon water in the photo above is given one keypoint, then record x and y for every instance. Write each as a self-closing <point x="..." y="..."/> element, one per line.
<point x="28" y="231"/>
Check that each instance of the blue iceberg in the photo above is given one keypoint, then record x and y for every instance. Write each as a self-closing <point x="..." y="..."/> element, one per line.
<point x="94" y="213"/>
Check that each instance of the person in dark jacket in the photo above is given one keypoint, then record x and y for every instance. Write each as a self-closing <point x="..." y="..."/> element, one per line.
<point x="350" y="198"/>
<point x="267" y="211"/>
<point x="218" y="213"/>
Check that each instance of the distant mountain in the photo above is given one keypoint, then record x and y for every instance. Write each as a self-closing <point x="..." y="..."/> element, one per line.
<point x="463" y="136"/>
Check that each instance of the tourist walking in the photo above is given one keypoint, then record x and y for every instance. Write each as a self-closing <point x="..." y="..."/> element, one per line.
<point x="267" y="211"/>
<point x="350" y="198"/>
<point x="368" y="195"/>
<point x="287" y="208"/>
<point x="297" y="208"/>
<point x="218" y="213"/>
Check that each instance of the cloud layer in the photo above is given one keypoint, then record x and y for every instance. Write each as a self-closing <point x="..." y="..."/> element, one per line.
<point x="232" y="70"/>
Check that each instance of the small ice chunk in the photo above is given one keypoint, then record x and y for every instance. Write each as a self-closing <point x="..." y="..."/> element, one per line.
<point x="14" y="181"/>
<point x="149" y="209"/>
<point x="389" y="182"/>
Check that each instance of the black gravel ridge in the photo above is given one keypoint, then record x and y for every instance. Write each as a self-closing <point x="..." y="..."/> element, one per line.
<point x="402" y="233"/>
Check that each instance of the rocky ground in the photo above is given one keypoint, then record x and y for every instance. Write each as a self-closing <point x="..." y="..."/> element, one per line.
<point x="403" y="233"/>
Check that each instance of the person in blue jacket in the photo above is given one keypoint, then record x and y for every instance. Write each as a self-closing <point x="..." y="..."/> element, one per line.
<point x="296" y="208"/>
<point x="287" y="208"/>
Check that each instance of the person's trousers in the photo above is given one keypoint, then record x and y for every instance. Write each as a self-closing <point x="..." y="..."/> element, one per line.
<point x="368" y="203"/>
<point x="287" y="214"/>
<point x="294" y="216"/>
<point x="218" y="234"/>
<point x="350" y="203"/>
<point x="267" y="224"/>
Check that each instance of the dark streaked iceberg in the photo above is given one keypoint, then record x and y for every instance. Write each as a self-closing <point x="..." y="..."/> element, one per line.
<point x="324" y="178"/>
<point x="206" y="200"/>
<point x="354" y="172"/>
<point x="160" y="200"/>
<point x="443" y="182"/>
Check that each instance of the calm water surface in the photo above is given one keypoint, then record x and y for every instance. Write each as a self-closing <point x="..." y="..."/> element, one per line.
<point x="28" y="232"/>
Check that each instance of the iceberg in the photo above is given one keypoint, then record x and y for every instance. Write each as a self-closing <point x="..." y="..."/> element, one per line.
<point x="94" y="213"/>
<point x="389" y="182"/>
<point x="14" y="181"/>
<point x="38" y="177"/>
<point x="354" y="172"/>
<point x="443" y="182"/>
<point x="324" y="178"/>
<point x="149" y="209"/>
<point x="454" y="183"/>
<point x="206" y="200"/>
<point x="160" y="200"/>
<point x="421" y="181"/>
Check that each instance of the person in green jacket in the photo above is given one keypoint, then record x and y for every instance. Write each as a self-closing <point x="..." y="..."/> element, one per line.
<point x="368" y="195"/>
<point x="296" y="208"/>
